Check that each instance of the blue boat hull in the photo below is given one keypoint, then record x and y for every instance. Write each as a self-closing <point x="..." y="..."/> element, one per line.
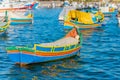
<point x="30" y="58"/>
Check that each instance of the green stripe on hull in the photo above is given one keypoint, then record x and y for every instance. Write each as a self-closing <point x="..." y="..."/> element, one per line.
<point x="20" y="49"/>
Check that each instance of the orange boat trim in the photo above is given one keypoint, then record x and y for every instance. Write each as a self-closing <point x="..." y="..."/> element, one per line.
<point x="26" y="52"/>
<point x="13" y="51"/>
<point x="56" y="53"/>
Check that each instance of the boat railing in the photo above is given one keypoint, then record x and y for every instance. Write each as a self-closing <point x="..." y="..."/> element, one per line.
<point x="41" y="48"/>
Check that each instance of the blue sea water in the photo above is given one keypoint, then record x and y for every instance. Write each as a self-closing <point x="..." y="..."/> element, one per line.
<point x="99" y="57"/>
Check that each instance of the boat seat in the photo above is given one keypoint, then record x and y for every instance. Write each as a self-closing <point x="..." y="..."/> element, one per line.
<point x="62" y="42"/>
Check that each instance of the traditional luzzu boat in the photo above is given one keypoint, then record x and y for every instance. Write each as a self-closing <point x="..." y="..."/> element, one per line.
<point x="66" y="47"/>
<point x="83" y="19"/>
<point x="4" y="23"/>
<point x="18" y="18"/>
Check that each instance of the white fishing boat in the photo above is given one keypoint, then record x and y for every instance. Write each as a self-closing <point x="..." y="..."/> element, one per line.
<point x="10" y="5"/>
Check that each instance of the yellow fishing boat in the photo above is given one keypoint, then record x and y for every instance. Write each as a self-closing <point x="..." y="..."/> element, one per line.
<point x="83" y="19"/>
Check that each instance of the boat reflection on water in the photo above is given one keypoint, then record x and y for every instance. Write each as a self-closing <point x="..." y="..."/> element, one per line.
<point x="88" y="32"/>
<point x="51" y="68"/>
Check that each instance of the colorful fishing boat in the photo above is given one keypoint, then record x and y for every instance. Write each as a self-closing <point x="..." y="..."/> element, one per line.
<point x="20" y="18"/>
<point x="4" y="23"/>
<point x="7" y="5"/>
<point x="83" y="19"/>
<point x="63" y="48"/>
<point x="3" y="27"/>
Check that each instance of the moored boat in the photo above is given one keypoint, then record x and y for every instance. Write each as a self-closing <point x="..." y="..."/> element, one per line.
<point x="4" y="23"/>
<point x="20" y="18"/>
<point x="7" y="5"/>
<point x="83" y="19"/>
<point x="107" y="11"/>
<point x="63" y="48"/>
<point x="3" y="27"/>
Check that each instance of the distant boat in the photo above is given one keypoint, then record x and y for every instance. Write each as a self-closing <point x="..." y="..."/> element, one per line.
<point x="3" y="27"/>
<point x="4" y="23"/>
<point x="66" y="3"/>
<point x="16" y="6"/>
<point x="63" y="48"/>
<point x="107" y="8"/>
<point x="82" y="19"/>
<point x="107" y="11"/>
<point x="20" y="18"/>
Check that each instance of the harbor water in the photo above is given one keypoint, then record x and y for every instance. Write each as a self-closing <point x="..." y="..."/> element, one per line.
<point x="99" y="57"/>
